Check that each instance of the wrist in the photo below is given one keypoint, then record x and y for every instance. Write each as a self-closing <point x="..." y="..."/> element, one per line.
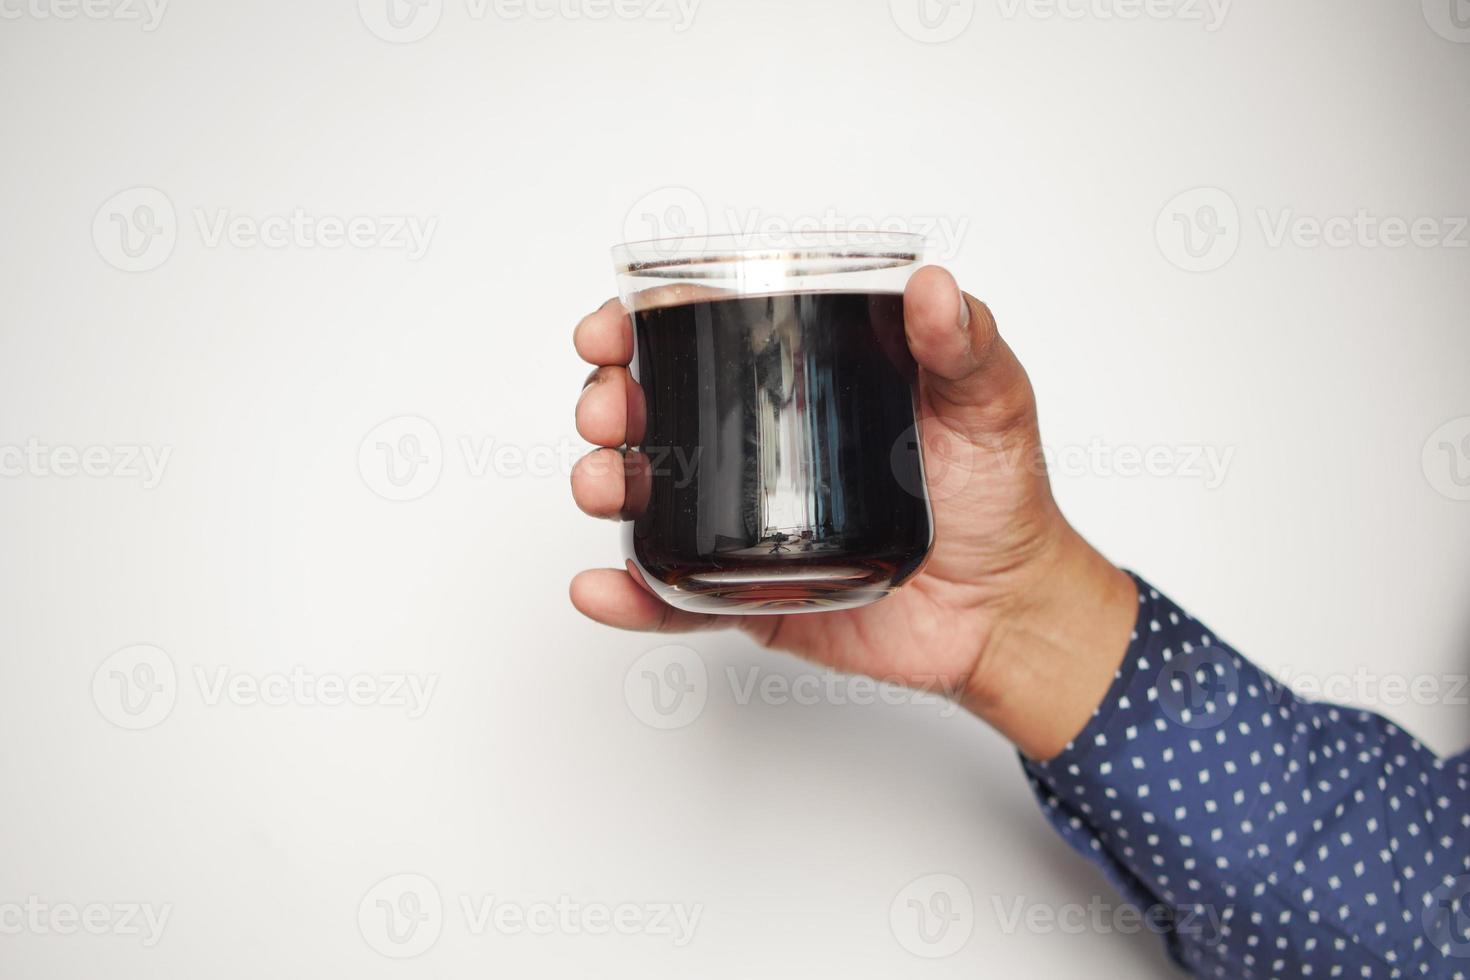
<point x="1051" y="655"/>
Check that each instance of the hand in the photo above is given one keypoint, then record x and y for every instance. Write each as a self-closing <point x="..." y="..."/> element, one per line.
<point x="1014" y="615"/>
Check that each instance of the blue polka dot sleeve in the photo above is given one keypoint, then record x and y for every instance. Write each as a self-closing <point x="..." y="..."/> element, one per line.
<point x="1269" y="836"/>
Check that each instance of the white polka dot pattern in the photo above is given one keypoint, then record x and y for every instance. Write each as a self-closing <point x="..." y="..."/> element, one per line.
<point x="1288" y="838"/>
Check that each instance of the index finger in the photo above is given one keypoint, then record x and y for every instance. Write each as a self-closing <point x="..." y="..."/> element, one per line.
<point x="605" y="336"/>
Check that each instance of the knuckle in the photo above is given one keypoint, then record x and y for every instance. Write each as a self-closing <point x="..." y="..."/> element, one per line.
<point x="982" y="322"/>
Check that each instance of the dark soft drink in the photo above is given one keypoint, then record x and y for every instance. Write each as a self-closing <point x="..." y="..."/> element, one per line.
<point x="779" y="467"/>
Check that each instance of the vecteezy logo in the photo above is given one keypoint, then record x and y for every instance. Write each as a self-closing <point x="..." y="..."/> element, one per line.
<point x="1198" y="690"/>
<point x="136" y="687"/>
<point x="401" y="916"/>
<point x="1199" y="230"/>
<point x="932" y="456"/>
<point x="1450" y="19"/>
<point x="402" y="459"/>
<point x="667" y="687"/>
<point x="1447" y="459"/>
<point x="1447" y="917"/>
<point x="933" y="916"/>
<point x="932" y="21"/>
<point x="401" y="21"/>
<point x="135" y="230"/>
<point x="668" y="213"/>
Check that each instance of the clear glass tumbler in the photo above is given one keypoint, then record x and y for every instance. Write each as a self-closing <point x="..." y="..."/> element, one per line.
<point x="773" y="461"/>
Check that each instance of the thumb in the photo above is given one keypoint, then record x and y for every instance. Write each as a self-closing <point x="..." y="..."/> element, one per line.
<point x="970" y="375"/>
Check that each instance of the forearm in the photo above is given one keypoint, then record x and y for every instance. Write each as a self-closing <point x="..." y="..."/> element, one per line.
<point x="1291" y="833"/>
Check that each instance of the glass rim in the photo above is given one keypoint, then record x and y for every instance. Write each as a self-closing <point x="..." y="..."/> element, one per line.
<point x="883" y="249"/>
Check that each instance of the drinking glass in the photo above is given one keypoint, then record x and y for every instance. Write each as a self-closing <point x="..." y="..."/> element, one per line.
<point x="773" y="461"/>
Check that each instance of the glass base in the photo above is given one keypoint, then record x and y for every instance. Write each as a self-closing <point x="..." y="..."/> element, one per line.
<point x="779" y="590"/>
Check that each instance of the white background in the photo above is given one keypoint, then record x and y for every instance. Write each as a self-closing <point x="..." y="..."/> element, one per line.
<point x="1058" y="142"/>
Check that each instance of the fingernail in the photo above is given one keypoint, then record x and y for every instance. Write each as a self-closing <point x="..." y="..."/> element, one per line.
<point x="964" y="313"/>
